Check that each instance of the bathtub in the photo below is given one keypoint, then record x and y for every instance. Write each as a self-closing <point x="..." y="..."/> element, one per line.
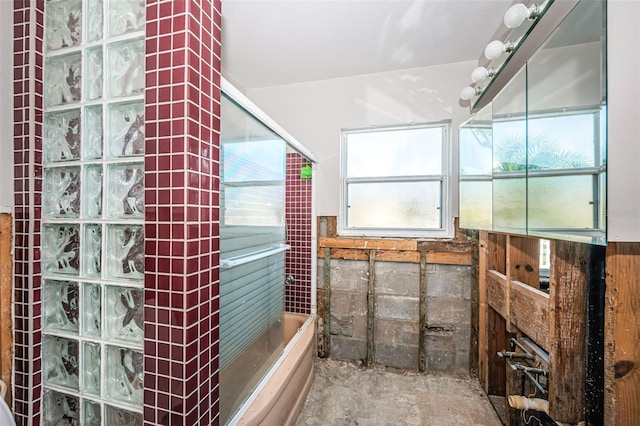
<point x="280" y="396"/>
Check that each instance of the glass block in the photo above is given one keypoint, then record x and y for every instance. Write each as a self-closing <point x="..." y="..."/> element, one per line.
<point x="61" y="192"/>
<point x="61" y="251"/>
<point x="125" y="252"/>
<point x="92" y="191"/>
<point x="93" y="132"/>
<point x="125" y="74"/>
<point x="125" y="186"/>
<point x="91" y="369"/>
<point x="123" y="376"/>
<point x="63" y="24"/>
<point x="126" y="129"/>
<point x="126" y="16"/>
<point x="92" y="251"/>
<point x="60" y="408"/>
<point x="62" y="79"/>
<point x="91" y="310"/>
<point x="93" y="73"/>
<point x="61" y="136"/>
<point x="60" y="361"/>
<point x="61" y="305"/>
<point x="124" y="313"/>
<point x="94" y="20"/>
<point x="119" y="417"/>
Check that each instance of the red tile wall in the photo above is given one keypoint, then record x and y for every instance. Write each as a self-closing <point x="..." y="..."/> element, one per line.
<point x="27" y="102"/>
<point x="299" y="216"/>
<point x="182" y="182"/>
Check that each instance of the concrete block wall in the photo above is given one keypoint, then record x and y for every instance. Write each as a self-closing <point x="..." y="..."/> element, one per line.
<point x="397" y="313"/>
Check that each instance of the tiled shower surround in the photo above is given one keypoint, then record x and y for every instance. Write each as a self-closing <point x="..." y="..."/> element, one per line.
<point x="74" y="247"/>
<point x="299" y="217"/>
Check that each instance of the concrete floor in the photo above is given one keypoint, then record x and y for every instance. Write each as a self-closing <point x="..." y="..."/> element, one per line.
<point x="344" y="393"/>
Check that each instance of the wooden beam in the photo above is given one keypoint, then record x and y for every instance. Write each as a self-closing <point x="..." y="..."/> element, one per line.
<point x="567" y="331"/>
<point x="369" y="244"/>
<point x="497" y="292"/>
<point x="6" y="289"/>
<point x="449" y="258"/>
<point x="529" y="312"/>
<point x="622" y="335"/>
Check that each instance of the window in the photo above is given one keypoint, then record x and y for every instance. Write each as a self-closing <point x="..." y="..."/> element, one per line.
<point x="395" y="181"/>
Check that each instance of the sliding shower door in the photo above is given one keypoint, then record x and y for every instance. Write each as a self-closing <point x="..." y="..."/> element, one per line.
<point x="252" y="234"/>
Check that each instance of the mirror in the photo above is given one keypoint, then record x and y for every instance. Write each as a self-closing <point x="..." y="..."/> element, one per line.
<point x="547" y="139"/>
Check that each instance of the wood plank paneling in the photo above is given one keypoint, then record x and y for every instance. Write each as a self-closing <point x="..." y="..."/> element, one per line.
<point x="567" y="331"/>
<point x="523" y="260"/>
<point x="529" y="311"/>
<point x="497" y="340"/>
<point x="622" y="335"/>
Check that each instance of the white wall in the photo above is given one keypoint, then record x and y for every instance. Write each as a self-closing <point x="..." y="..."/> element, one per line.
<point x="623" y="90"/>
<point x="6" y="106"/>
<point x="315" y="112"/>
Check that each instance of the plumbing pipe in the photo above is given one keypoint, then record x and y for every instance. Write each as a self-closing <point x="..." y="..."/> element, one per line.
<point x="3" y="389"/>
<point x="523" y="403"/>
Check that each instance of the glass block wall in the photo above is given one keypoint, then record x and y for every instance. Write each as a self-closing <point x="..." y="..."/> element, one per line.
<point x="93" y="212"/>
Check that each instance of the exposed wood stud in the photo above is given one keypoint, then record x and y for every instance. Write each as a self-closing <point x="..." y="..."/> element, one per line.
<point x="327" y="302"/>
<point x="529" y="312"/>
<point x="422" y="350"/>
<point x="482" y="309"/>
<point x="371" y="306"/>
<point x="475" y="309"/>
<point x="567" y="331"/>
<point x="622" y="335"/>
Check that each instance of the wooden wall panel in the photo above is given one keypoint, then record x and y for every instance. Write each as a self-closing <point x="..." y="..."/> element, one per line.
<point x="523" y="260"/>
<point x="622" y="335"/>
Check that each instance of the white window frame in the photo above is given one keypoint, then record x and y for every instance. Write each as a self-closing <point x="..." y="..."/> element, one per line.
<point x="446" y="229"/>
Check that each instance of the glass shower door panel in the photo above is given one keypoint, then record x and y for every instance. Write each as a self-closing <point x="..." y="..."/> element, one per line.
<point x="93" y="204"/>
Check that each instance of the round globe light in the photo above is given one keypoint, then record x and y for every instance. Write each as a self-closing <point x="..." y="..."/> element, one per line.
<point x="467" y="93"/>
<point x="494" y="50"/>
<point x="516" y="15"/>
<point x="479" y="74"/>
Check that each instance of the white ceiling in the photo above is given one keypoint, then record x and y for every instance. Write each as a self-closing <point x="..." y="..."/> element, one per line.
<point x="274" y="42"/>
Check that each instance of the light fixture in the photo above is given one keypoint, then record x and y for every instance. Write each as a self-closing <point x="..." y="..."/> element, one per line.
<point x="480" y="73"/>
<point x="497" y="48"/>
<point x="518" y="13"/>
<point x="469" y="92"/>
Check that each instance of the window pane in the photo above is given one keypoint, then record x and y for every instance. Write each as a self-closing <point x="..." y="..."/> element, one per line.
<point x="510" y="204"/>
<point x="397" y="205"/>
<point x="562" y="142"/>
<point x="405" y="152"/>
<point x="475" y="204"/>
<point x="561" y="202"/>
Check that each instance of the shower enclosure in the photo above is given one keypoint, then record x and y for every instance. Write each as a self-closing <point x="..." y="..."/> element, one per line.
<point x="252" y="251"/>
<point x="93" y="212"/>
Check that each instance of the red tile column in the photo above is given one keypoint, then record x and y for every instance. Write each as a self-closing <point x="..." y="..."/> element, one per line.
<point x="182" y="212"/>
<point x="299" y="215"/>
<point x="27" y="102"/>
